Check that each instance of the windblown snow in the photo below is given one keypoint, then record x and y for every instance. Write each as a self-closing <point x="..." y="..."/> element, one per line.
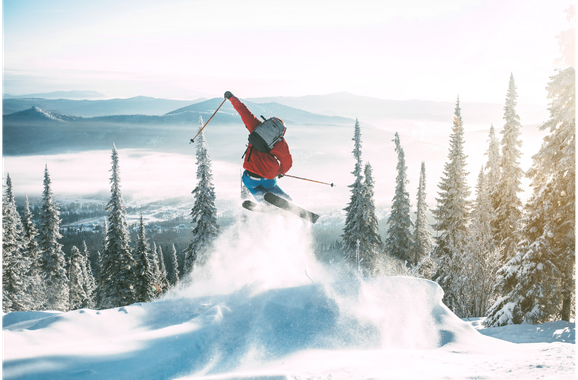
<point x="261" y="307"/>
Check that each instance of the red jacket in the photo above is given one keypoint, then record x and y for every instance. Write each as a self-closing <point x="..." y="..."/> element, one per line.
<point x="267" y="165"/>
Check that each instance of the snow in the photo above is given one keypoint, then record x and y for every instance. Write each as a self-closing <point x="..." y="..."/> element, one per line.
<point x="252" y="312"/>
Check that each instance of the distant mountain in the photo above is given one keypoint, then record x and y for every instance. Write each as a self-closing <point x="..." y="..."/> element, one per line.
<point x="35" y="131"/>
<point x="287" y="114"/>
<point x="371" y="109"/>
<point x="36" y="114"/>
<point x="75" y="94"/>
<point x="140" y="105"/>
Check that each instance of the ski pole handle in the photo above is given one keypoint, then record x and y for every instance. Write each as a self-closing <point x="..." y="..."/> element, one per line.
<point x="310" y="180"/>
<point x="193" y="139"/>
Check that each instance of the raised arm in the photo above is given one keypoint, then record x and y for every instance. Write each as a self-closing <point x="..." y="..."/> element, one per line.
<point x="250" y="120"/>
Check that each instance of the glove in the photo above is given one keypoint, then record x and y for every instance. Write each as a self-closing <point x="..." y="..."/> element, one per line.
<point x="228" y="94"/>
<point x="280" y="175"/>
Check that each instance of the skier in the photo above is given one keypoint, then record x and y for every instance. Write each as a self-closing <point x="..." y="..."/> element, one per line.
<point x="262" y="169"/>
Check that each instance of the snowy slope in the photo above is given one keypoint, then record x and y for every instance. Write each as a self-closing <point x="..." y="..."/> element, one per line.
<point x="252" y="312"/>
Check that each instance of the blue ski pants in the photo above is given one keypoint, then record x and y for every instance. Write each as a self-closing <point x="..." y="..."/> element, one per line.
<point x="259" y="186"/>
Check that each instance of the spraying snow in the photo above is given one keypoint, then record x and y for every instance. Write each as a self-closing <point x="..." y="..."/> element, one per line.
<point x="252" y="312"/>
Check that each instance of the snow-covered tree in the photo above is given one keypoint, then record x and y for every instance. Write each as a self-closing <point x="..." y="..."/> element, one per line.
<point x="145" y="277"/>
<point x="118" y="278"/>
<point x="204" y="211"/>
<point x="538" y="283"/>
<point x="352" y="231"/>
<point x="174" y="276"/>
<point x="399" y="242"/>
<point x="553" y="175"/>
<point x="528" y="282"/>
<point x="32" y="252"/>
<point x="163" y="281"/>
<point x="15" y="264"/>
<point x="78" y="298"/>
<point x="509" y="206"/>
<point x="155" y="268"/>
<point x="452" y="214"/>
<point x="53" y="261"/>
<point x="421" y="235"/>
<point x="370" y="244"/>
<point x="90" y="282"/>
<point x="481" y="257"/>
<point x="493" y="170"/>
<point x="99" y="275"/>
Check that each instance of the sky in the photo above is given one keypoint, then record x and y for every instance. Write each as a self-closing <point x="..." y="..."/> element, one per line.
<point x="389" y="49"/>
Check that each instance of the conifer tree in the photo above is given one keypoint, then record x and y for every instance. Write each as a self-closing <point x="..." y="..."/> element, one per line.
<point x="90" y="282"/>
<point x="145" y="278"/>
<point x="370" y="244"/>
<point x="32" y="252"/>
<point x="553" y="175"/>
<point x="481" y="260"/>
<point x="493" y="167"/>
<point x="174" y="276"/>
<point x="99" y="275"/>
<point x="156" y="270"/>
<point x="163" y="281"/>
<point x="421" y="236"/>
<point x="15" y="265"/>
<point x="78" y="298"/>
<point x="204" y="211"/>
<point x="52" y="262"/>
<point x="538" y="283"/>
<point x="509" y="205"/>
<point x="399" y="242"/>
<point x="354" y="223"/>
<point x="452" y="214"/>
<point x="118" y="278"/>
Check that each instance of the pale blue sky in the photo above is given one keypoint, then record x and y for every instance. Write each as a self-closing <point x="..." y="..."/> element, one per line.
<point x="412" y="49"/>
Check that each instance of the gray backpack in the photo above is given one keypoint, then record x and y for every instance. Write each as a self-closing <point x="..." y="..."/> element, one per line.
<point x="267" y="134"/>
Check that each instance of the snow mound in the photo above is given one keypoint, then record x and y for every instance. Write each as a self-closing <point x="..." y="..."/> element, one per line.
<point x="253" y="311"/>
<point x="225" y="333"/>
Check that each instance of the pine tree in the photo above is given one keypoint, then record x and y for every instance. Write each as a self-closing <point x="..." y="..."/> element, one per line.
<point x="32" y="252"/>
<point x="99" y="273"/>
<point x="354" y="224"/>
<point x="118" y="279"/>
<point x="145" y="278"/>
<point x="493" y="167"/>
<point x="538" y="283"/>
<point x="78" y="298"/>
<point x="481" y="260"/>
<point x="399" y="242"/>
<point x="90" y="282"/>
<point x="15" y="264"/>
<point x="452" y="215"/>
<point x="528" y="282"/>
<point x="52" y="262"/>
<point x="174" y="276"/>
<point x="204" y="212"/>
<point x="155" y="268"/>
<point x="370" y="244"/>
<point x="163" y="281"/>
<point x="421" y="236"/>
<point x="553" y="175"/>
<point x="509" y="205"/>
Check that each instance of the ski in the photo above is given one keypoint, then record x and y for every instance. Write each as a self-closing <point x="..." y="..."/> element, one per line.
<point x="255" y="206"/>
<point x="284" y="204"/>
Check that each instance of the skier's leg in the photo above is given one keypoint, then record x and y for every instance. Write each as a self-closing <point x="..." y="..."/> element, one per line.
<point x="271" y="186"/>
<point x="254" y="186"/>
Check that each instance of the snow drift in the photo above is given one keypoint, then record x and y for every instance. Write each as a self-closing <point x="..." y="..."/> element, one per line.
<point x="251" y="306"/>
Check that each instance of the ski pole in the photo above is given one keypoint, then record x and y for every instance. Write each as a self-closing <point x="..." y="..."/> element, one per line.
<point x="310" y="180"/>
<point x="193" y="139"/>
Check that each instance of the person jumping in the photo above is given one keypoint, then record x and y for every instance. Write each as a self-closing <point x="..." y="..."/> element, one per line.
<point x="262" y="168"/>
